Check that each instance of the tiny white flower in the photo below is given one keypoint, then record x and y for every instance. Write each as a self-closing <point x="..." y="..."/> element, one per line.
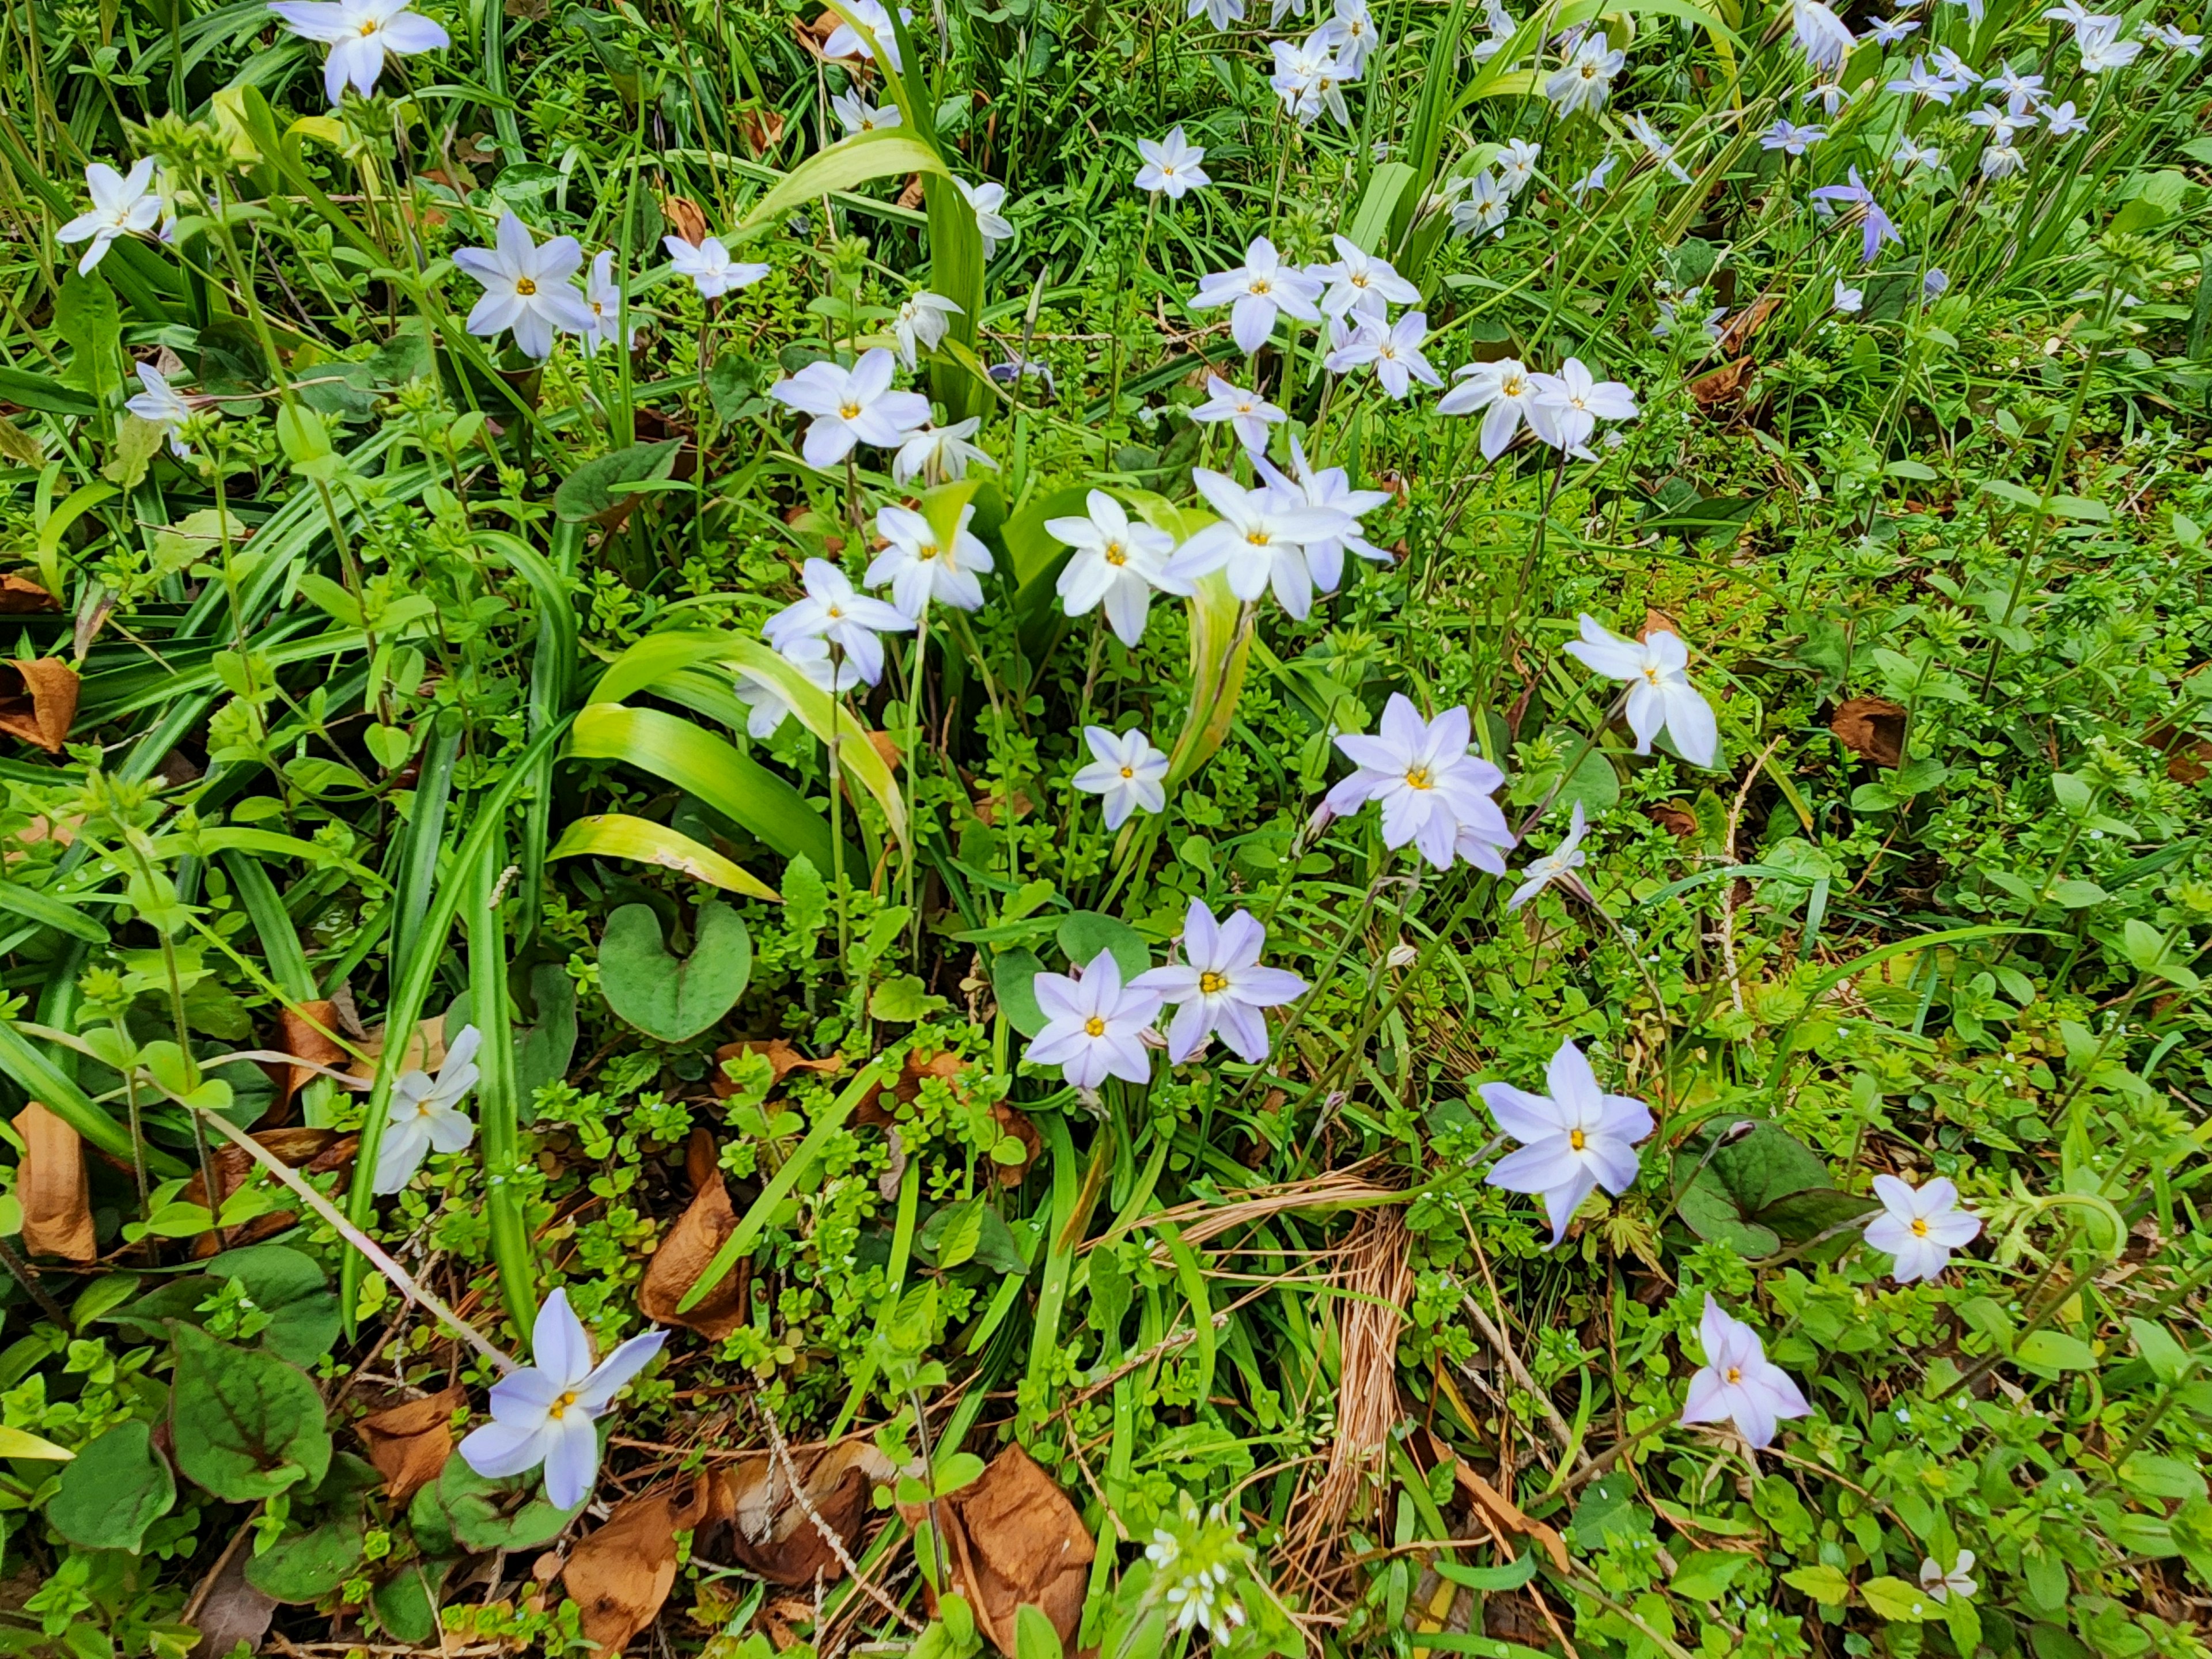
<point x="1505" y="390"/>
<point x="1171" y="166"/>
<point x="1255" y="292"/>
<point x="1248" y="412"/>
<point x="1920" y="1227"/>
<point x="1573" y="1140"/>
<point x="710" y="266"/>
<point x="359" y="33"/>
<point x="426" y="1116"/>
<point x="850" y="405"/>
<point x="1094" y="1026"/>
<point x="921" y="324"/>
<point x="1790" y="138"/>
<point x="846" y="41"/>
<point x="1585" y="80"/>
<point x="1821" y="36"/>
<point x="1119" y="562"/>
<point x="1259" y="541"/>
<point x="2174" y="39"/>
<point x="1595" y="181"/>
<point x="1849" y="300"/>
<point x="1219" y="987"/>
<point x="1655" y="146"/>
<point x="1126" y="771"/>
<point x="1660" y="695"/>
<point x="1568" y="406"/>
<point x="1394" y="352"/>
<point x="1921" y="81"/>
<point x="835" y="611"/>
<point x="122" y="204"/>
<point x="543" y="1414"/>
<point x="1559" y="865"/>
<point x="1361" y="283"/>
<point x="1941" y="1586"/>
<point x="1909" y="154"/>
<point x="2062" y="120"/>
<point x="602" y="299"/>
<point x="1517" y="166"/>
<point x="1219" y="13"/>
<point x="2001" y="159"/>
<point x="163" y="406"/>
<point x="1489" y="203"/>
<point x="920" y="565"/>
<point x="1428" y="785"/>
<point x="2102" y="49"/>
<point x="1739" y="1383"/>
<point x="987" y="199"/>
<point x="1891" y="31"/>
<point x="1353" y="33"/>
<point x="937" y="454"/>
<point x="526" y="289"/>
<point x="856" y="115"/>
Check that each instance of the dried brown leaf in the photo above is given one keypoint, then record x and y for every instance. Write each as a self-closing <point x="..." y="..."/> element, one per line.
<point x="910" y="194"/>
<point x="1504" y="1514"/>
<point x="1721" y="385"/>
<point x="1677" y="820"/>
<point x="308" y="1033"/>
<point x="762" y="129"/>
<point x="38" y="701"/>
<point x="683" y="1256"/>
<point x="50" y="1184"/>
<point x="621" y="1575"/>
<point x="783" y="1060"/>
<point x="409" y="1444"/>
<point x="1873" y="728"/>
<point x="1746" y="323"/>
<point x="685" y="218"/>
<point x="19" y="595"/>
<point x="316" y="1151"/>
<point x="1014" y="1537"/>
<point x="771" y="1535"/>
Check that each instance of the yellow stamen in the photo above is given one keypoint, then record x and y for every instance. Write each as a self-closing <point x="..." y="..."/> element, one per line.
<point x="1094" y="1026"/>
<point x="525" y="286"/>
<point x="1212" y="983"/>
<point x="1919" y="1227"/>
<point x="849" y="411"/>
<point x="1732" y="1374"/>
<point x="1417" y="777"/>
<point x="1114" y="554"/>
<point x="561" y="1405"/>
<point x="1577" y="1140"/>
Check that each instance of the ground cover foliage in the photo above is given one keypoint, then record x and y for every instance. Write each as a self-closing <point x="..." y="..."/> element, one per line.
<point x="1074" y="829"/>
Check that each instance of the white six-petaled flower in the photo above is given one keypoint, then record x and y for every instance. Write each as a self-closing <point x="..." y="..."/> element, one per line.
<point x="1505" y="393"/>
<point x="1660" y="695"/>
<point x="850" y="405"/>
<point x="1118" y="562"/>
<point x="526" y="289"/>
<point x="767" y="706"/>
<point x="1094" y="1026"/>
<point x="1249" y="414"/>
<point x="1573" y="1140"/>
<point x="1426" y="782"/>
<point x="1219" y="987"/>
<point x="1558" y="865"/>
<point x="1941" y="1586"/>
<point x="359" y="33"/>
<point x="1584" y="80"/>
<point x="938" y="454"/>
<point x="710" y="266"/>
<point x="1738" y="1383"/>
<point x="545" y="1414"/>
<point x="160" y="403"/>
<point x="1920" y="1227"/>
<point x="1126" y="771"/>
<point x="846" y="41"/>
<point x="1394" y="350"/>
<point x="1259" y="541"/>
<point x="920" y="325"/>
<point x="1255" y="292"/>
<point x="834" y="610"/>
<point x="122" y="204"/>
<point x="1361" y="283"/>
<point x="425" y="1114"/>
<point x="921" y="566"/>
<point x="987" y="199"/>
<point x="1567" y="406"/>
<point x="1171" y="166"/>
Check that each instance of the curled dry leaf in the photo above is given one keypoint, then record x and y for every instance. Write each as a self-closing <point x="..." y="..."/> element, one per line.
<point x="308" y="1033"/>
<point x="313" y="1152"/>
<point x="1721" y="385"/>
<point x="910" y="194"/>
<point x="38" y="701"/>
<point x="227" y="1610"/>
<point x="1677" y="819"/>
<point x="1499" y="1513"/>
<point x="1658" y="622"/>
<point x="772" y="1535"/>
<point x="1873" y="728"/>
<point x="684" y="1255"/>
<point x="762" y="129"/>
<point x="783" y="1060"/>
<point x="19" y="594"/>
<point x="408" y="1443"/>
<point x="1013" y="1538"/>
<point x="1746" y="323"/>
<point x="683" y="216"/>
<point x="620" y="1576"/>
<point x="49" y="1184"/>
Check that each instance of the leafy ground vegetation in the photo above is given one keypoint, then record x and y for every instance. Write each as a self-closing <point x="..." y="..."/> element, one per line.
<point x="1065" y="828"/>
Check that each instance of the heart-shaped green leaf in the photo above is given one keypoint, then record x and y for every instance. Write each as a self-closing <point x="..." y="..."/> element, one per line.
<point x="664" y="998"/>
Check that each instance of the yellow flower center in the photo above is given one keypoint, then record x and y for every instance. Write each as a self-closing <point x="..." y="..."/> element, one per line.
<point x="1512" y="386"/>
<point x="1358" y="279"/>
<point x="1732" y="1374"/>
<point x="1166" y="171"/>
<point x="1651" y="674"/>
<point x="1094" y="1026"/>
<point x="1919" y="1228"/>
<point x="1417" y="777"/>
<point x="1577" y="1140"/>
<point x="561" y="1405"/>
<point x="1262" y="285"/>
<point x="1211" y="982"/>
<point x="1256" y="537"/>
<point x="1128" y="771"/>
<point x="1114" y="554"/>
<point x="525" y="286"/>
<point x="368" y="28"/>
<point x="835" y="614"/>
<point x="849" y="411"/>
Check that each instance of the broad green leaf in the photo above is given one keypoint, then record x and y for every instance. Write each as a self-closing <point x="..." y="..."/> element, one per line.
<point x="2168" y="1360"/>
<point x="619" y="835"/>
<point x="306" y="1565"/>
<point x="1898" y="1602"/>
<point x="1013" y="974"/>
<point x="293" y="1290"/>
<point x="1084" y="933"/>
<point x="2053" y="1351"/>
<point x="709" y="767"/>
<point x="118" y="1486"/>
<point x="245" y="1424"/>
<point x="589" y="492"/>
<point x="885" y="153"/>
<point x="1035" y="1636"/>
<point x="664" y="998"/>
<point x="463" y="1510"/>
<point x="822" y="715"/>
<point x="1824" y="1583"/>
<point x="1705" y="1575"/>
<point x="87" y="319"/>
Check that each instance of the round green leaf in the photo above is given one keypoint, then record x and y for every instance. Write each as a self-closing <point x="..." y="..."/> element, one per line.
<point x="117" y="1487"/>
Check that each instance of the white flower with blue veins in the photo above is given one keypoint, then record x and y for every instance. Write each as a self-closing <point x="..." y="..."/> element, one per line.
<point x="1094" y="1026"/>
<point x="1573" y="1140"/>
<point x="359" y="33"/>
<point x="1126" y="771"/>
<point x="546" y="1413"/>
<point x="846" y="41"/>
<point x="1259" y="541"/>
<point x="122" y="204"/>
<point x="710" y="266"/>
<point x="424" y="1114"/>
<point x="920" y="566"/>
<point x="1118" y="563"/>
<point x="160" y="404"/>
<point x="1219" y="987"/>
<point x="1738" y="1383"/>
<point x="1361" y="283"/>
<point x="1256" y="292"/>
<point x="855" y="405"/>
<point x="835" y="611"/>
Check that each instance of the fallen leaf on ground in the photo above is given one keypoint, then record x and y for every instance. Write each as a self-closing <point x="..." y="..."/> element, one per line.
<point x="1501" y="1512"/>
<point x="1677" y="820"/>
<point x="685" y="215"/>
<point x="1745" y="324"/>
<point x="620" y="1576"/>
<point x="227" y="1611"/>
<point x="1873" y="728"/>
<point x="910" y="194"/>
<point x="1013" y="1538"/>
<point x="771" y="1535"/>
<point x="684" y="1255"/>
<point x="1658" y="622"/>
<point x="19" y="594"/>
<point x="783" y="1060"/>
<point x="408" y="1443"/>
<point x="50" y="1184"/>
<point x="762" y="129"/>
<point x="314" y="1151"/>
<point x="38" y="701"/>
<point x="1722" y="384"/>
<point x="307" y="1033"/>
